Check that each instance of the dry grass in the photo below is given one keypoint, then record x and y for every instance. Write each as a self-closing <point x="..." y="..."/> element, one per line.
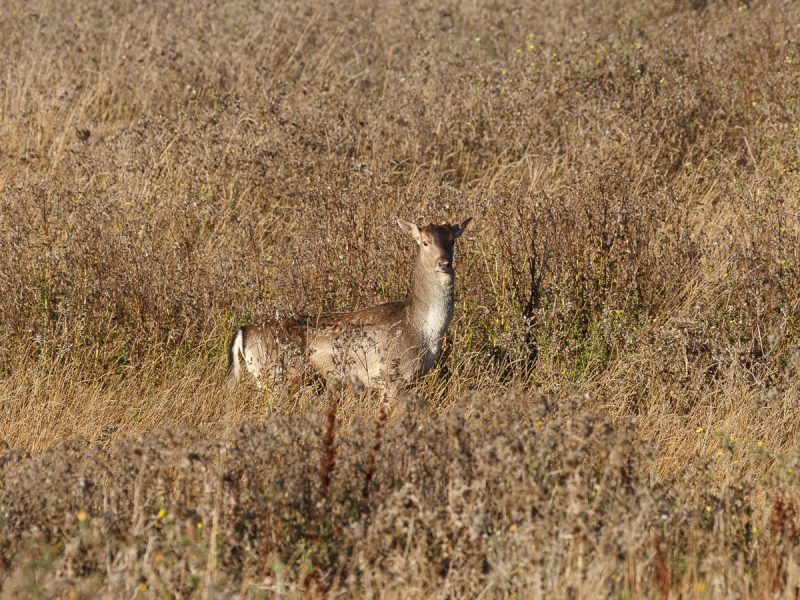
<point x="617" y="412"/>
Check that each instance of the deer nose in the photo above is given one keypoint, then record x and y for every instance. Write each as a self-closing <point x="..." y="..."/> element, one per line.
<point x="443" y="263"/>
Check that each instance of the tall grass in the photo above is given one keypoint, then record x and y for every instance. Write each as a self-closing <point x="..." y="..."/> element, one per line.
<point x="616" y="408"/>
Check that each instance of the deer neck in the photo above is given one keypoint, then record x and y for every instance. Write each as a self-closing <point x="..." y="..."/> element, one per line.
<point x="431" y="304"/>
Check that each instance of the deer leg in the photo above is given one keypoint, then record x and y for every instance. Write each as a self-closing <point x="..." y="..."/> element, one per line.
<point x="391" y="393"/>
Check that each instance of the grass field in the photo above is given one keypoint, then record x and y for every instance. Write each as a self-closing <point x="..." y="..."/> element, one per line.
<point x="616" y="414"/>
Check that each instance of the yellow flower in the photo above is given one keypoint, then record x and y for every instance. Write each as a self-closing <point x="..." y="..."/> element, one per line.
<point x="158" y="558"/>
<point x="162" y="512"/>
<point x="760" y="443"/>
<point x="82" y="516"/>
<point x="708" y="508"/>
<point x="699" y="430"/>
<point x="538" y="424"/>
<point x="512" y="527"/>
<point x="199" y="525"/>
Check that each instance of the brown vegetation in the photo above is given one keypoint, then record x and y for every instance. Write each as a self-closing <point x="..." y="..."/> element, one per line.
<point x="616" y="411"/>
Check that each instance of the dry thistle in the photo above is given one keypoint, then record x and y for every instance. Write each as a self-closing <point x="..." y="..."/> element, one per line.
<point x="373" y="451"/>
<point x="266" y="546"/>
<point x="660" y="568"/>
<point x="781" y="544"/>
<point x="328" y="461"/>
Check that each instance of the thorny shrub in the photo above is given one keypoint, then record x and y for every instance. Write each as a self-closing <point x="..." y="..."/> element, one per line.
<point x="510" y="495"/>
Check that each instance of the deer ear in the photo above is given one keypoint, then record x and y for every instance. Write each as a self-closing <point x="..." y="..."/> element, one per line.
<point x="459" y="228"/>
<point x="409" y="228"/>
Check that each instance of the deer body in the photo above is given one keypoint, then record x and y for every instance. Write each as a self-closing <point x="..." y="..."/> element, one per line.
<point x="381" y="347"/>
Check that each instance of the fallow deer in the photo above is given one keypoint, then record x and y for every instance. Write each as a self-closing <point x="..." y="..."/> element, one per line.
<point x="383" y="347"/>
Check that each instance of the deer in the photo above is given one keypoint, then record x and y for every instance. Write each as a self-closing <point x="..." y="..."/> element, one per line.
<point x="384" y="347"/>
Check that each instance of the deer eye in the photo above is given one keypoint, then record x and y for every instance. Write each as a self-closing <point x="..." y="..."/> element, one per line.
<point x="425" y="242"/>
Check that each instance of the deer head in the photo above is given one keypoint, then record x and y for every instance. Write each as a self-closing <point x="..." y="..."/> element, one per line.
<point x="436" y="244"/>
